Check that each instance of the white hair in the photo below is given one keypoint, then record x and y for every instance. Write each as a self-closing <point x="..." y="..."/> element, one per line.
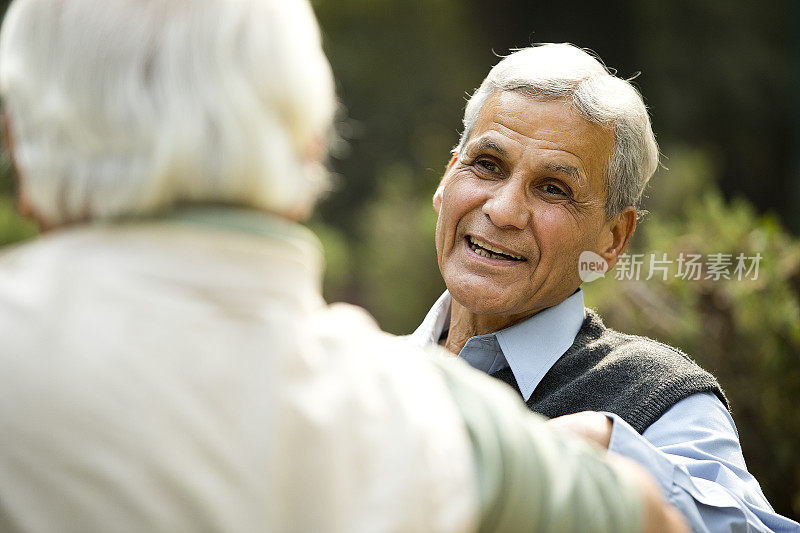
<point x="563" y="71"/>
<point x="127" y="107"/>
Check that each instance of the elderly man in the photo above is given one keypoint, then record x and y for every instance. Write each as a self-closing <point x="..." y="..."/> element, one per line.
<point x="552" y="163"/>
<point x="167" y="361"/>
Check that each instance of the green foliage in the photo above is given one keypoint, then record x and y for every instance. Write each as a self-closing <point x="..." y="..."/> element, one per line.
<point x="398" y="256"/>
<point x="402" y="70"/>
<point x="338" y="262"/>
<point x="12" y="227"/>
<point x="747" y="332"/>
<point x="391" y="268"/>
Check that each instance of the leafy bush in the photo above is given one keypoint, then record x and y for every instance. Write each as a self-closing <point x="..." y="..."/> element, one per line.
<point x="746" y="332"/>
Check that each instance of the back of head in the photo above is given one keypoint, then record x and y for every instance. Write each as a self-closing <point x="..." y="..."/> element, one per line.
<point x="563" y="71"/>
<point x="127" y="107"/>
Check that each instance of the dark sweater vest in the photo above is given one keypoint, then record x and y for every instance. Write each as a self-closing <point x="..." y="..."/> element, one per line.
<point x="636" y="378"/>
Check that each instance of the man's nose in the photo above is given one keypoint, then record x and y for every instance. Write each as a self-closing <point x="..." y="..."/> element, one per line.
<point x="508" y="206"/>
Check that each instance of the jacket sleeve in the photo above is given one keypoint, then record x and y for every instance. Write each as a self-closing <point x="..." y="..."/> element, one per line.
<point x="531" y="477"/>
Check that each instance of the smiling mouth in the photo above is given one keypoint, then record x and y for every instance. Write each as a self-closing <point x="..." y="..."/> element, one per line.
<point x="485" y="249"/>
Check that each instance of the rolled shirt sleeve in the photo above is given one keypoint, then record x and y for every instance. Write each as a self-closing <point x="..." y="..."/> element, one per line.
<point x="693" y="452"/>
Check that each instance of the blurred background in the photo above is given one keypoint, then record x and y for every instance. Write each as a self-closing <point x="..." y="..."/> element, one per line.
<point x="722" y="81"/>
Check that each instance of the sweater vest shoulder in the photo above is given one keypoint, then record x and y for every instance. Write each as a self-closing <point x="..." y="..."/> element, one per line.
<point x="637" y="378"/>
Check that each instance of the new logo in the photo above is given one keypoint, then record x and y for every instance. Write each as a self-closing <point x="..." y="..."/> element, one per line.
<point x="591" y="266"/>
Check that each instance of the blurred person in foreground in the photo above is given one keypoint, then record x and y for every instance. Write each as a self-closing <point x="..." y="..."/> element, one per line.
<point x="167" y="361"/>
<point x="545" y="181"/>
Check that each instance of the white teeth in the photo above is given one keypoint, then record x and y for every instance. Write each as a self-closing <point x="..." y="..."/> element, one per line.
<point x="487" y="250"/>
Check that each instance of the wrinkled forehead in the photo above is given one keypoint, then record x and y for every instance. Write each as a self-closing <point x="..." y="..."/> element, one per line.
<point x="543" y="131"/>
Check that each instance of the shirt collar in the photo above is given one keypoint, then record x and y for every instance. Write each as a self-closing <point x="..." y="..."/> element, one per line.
<point x="436" y="322"/>
<point x="530" y="347"/>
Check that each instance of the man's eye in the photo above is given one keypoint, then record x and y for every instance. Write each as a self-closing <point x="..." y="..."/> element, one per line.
<point x="555" y="190"/>
<point x="488" y="165"/>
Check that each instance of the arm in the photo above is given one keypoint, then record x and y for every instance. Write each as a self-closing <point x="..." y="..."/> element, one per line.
<point x="534" y="478"/>
<point x="693" y="452"/>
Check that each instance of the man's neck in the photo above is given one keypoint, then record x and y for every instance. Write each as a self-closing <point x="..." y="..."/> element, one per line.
<point x="465" y="324"/>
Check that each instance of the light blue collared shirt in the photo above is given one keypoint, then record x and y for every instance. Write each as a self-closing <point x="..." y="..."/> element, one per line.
<point x="692" y="450"/>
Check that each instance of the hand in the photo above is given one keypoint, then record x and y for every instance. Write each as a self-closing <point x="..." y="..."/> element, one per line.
<point x="590" y="425"/>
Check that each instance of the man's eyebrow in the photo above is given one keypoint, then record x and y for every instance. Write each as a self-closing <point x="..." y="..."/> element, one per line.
<point x="488" y="144"/>
<point x="566" y="169"/>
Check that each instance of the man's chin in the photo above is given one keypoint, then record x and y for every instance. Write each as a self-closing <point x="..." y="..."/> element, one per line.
<point x="482" y="298"/>
<point x="479" y="301"/>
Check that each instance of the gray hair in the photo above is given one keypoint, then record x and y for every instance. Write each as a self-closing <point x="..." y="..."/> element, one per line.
<point x="563" y="71"/>
<point x="124" y="107"/>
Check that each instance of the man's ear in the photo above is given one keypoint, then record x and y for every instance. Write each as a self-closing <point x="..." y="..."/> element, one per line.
<point x="616" y="235"/>
<point x="437" y="196"/>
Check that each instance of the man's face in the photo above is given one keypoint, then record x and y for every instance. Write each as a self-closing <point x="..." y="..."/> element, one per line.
<point x="520" y="204"/>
